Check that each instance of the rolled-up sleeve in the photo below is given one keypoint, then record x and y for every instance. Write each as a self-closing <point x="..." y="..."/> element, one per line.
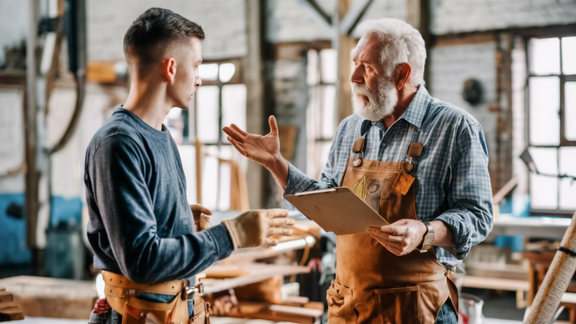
<point x="469" y="195"/>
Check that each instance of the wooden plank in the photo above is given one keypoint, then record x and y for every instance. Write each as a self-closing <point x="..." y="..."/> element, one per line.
<point x="496" y="283"/>
<point x="277" y="313"/>
<point x="50" y="297"/>
<point x="256" y="273"/>
<point x="466" y="39"/>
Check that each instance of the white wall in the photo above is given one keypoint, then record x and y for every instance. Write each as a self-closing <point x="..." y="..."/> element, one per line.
<point x="223" y="21"/>
<point x="291" y="21"/>
<point x="457" y="16"/>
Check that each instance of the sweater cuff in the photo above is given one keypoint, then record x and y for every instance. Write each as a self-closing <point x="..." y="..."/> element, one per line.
<point x="222" y="239"/>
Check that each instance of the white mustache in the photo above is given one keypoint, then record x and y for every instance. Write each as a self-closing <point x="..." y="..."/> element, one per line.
<point x="362" y="90"/>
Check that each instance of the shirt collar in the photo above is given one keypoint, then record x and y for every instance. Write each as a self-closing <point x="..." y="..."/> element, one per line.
<point x="418" y="107"/>
<point x="414" y="114"/>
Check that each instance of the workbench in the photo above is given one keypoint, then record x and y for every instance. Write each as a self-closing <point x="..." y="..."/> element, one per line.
<point x="532" y="226"/>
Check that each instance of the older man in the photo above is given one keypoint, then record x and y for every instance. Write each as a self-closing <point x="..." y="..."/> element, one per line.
<point x="421" y="162"/>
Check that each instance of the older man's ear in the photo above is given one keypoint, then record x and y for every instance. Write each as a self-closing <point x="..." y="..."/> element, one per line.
<point x="201" y="217"/>
<point x="401" y="75"/>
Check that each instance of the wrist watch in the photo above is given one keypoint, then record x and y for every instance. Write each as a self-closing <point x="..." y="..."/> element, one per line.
<point x="428" y="238"/>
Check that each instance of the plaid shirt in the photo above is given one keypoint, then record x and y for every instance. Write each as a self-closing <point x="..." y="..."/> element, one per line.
<point x="452" y="172"/>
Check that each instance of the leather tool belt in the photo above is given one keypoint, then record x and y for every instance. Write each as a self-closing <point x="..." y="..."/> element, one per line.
<point x="121" y="295"/>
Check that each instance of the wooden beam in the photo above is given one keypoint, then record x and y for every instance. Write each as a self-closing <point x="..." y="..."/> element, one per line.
<point x="315" y="8"/>
<point x="465" y="39"/>
<point x="353" y="15"/>
<point x="253" y="75"/>
<point x="345" y="45"/>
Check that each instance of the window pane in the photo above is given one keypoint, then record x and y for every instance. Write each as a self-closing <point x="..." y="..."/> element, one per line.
<point x="328" y="58"/>
<point x="207" y="112"/>
<point x="567" y="186"/>
<point x="224" y="199"/>
<point x="210" y="178"/>
<point x="312" y="68"/>
<point x="545" y="56"/>
<point x="570" y="111"/>
<point x="188" y="157"/>
<point x="543" y="189"/>
<point x="227" y="71"/>
<point x="569" y="55"/>
<point x="233" y="106"/>
<point x="175" y="124"/>
<point x="208" y="72"/>
<point x="327" y="118"/>
<point x="544" y="107"/>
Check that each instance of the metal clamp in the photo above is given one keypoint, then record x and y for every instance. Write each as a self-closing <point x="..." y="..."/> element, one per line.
<point x="189" y="292"/>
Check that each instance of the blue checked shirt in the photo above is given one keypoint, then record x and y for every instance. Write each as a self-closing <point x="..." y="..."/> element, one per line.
<point x="452" y="172"/>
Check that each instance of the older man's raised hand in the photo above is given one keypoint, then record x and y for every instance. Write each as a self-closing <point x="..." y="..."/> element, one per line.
<point x="262" y="149"/>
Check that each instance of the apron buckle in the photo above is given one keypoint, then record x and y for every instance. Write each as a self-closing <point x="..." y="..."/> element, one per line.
<point x="358" y="159"/>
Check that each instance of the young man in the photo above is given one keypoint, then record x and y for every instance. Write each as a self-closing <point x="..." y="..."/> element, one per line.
<point x="141" y="227"/>
<point x="426" y="162"/>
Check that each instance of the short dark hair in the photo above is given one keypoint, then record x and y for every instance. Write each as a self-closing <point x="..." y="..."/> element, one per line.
<point x="154" y="30"/>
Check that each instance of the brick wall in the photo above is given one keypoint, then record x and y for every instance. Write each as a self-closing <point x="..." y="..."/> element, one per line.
<point x="450" y="66"/>
<point x="457" y="16"/>
<point x="223" y="21"/>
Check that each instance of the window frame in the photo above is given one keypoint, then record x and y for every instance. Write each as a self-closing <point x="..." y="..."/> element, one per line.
<point x="319" y="141"/>
<point x="558" y="33"/>
<point x="191" y="135"/>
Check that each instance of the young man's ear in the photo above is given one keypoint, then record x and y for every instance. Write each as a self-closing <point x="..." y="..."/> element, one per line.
<point x="170" y="69"/>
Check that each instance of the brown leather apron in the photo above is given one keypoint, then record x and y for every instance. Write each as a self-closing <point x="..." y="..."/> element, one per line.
<point x="373" y="285"/>
<point x="121" y="295"/>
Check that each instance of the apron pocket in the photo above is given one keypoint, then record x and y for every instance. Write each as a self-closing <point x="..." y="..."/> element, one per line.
<point x="339" y="299"/>
<point x="397" y="305"/>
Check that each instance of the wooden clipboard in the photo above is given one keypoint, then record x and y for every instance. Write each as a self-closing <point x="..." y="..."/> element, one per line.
<point x="337" y="210"/>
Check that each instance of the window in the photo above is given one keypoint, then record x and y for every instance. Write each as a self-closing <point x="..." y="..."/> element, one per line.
<point x="220" y="101"/>
<point x="551" y="125"/>
<point x="320" y="115"/>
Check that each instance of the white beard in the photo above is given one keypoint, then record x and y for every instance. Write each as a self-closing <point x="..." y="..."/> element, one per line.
<point x="379" y="105"/>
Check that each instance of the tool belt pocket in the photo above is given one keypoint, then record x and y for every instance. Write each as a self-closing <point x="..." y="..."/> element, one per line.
<point x="340" y="308"/>
<point x="201" y="312"/>
<point x="398" y="305"/>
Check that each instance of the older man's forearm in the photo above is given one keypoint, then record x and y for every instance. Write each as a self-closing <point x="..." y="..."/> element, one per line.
<point x="279" y="169"/>
<point x="442" y="235"/>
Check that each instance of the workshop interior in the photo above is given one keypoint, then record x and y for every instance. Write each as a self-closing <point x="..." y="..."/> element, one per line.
<point x="509" y="66"/>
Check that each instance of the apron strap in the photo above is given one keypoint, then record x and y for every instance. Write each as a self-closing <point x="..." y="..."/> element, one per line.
<point x="358" y="145"/>
<point x="414" y="150"/>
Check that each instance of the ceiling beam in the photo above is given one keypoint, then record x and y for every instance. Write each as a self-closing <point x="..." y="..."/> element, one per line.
<point x="353" y="16"/>
<point x="315" y="8"/>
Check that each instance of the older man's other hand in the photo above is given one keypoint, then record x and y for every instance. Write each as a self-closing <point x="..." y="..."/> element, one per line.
<point x="401" y="237"/>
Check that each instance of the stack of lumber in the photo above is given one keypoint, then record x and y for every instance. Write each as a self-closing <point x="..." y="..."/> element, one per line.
<point x="9" y="309"/>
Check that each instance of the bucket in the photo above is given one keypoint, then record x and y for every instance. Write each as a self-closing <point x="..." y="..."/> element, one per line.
<point x="470" y="309"/>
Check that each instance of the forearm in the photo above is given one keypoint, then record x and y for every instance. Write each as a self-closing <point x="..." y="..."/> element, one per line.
<point x="153" y="259"/>
<point x="442" y="235"/>
<point x="279" y="169"/>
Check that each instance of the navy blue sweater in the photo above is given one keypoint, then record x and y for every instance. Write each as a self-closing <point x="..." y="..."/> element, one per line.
<point x="140" y="224"/>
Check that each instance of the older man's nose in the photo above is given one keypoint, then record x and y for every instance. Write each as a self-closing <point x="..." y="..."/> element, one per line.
<point x="356" y="76"/>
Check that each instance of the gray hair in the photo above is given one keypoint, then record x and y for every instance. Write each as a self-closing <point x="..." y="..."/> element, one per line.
<point x="404" y="44"/>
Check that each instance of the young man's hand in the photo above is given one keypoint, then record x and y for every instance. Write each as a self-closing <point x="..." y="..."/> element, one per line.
<point x="201" y="219"/>
<point x="254" y="227"/>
